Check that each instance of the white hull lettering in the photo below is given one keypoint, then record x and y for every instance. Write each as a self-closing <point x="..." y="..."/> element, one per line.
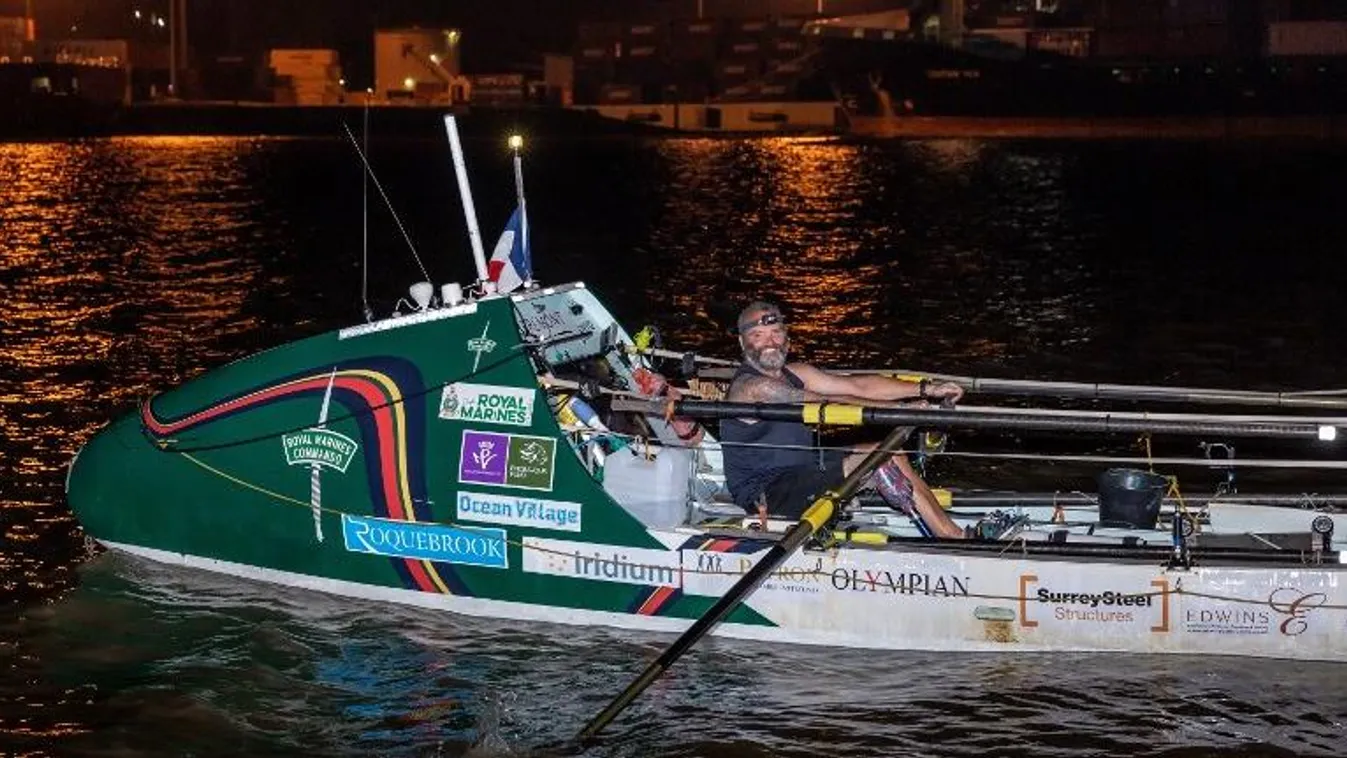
<point x="421" y="541"/>
<point x="618" y="567"/>
<point x="546" y="514"/>
<point x="886" y="582"/>
<point x="1109" y="598"/>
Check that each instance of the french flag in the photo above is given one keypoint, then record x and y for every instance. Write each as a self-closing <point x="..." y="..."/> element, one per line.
<point x="511" y="263"/>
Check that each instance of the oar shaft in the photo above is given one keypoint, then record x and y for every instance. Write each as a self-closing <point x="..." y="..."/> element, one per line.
<point x="818" y="514"/>
<point x="1096" y="390"/>
<point x="1336" y="419"/>
<point x="1008" y="499"/>
<point x="1104" y="391"/>
<point x="796" y="535"/>
<point x="1009" y="420"/>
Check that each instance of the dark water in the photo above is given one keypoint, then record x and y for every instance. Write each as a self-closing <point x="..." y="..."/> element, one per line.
<point x="128" y="265"/>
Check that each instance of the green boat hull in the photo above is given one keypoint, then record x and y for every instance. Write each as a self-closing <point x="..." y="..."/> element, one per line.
<point x="418" y="460"/>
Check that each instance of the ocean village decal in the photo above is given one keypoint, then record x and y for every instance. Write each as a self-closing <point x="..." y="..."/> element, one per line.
<point x="510" y="510"/>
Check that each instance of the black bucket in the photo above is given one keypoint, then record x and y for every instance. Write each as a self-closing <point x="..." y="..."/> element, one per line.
<point x="1130" y="498"/>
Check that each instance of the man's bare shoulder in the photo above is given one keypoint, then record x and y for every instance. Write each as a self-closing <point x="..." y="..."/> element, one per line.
<point x="814" y="378"/>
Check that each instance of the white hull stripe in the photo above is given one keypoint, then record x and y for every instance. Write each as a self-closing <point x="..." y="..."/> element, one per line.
<point x="510" y="610"/>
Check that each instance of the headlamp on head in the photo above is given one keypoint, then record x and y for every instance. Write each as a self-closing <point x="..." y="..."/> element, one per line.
<point x="767" y="319"/>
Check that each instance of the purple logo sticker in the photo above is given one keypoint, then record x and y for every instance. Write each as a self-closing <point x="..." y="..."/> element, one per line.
<point x="484" y="457"/>
<point x="522" y="461"/>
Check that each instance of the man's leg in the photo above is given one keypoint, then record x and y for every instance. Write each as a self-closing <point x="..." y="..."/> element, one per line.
<point x="796" y="489"/>
<point x="923" y="499"/>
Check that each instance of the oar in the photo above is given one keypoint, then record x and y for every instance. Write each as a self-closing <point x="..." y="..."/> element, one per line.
<point x="814" y="518"/>
<point x="1008" y="499"/>
<point x="1334" y="419"/>
<point x="1104" y="391"/>
<point x="1016" y="419"/>
<point x="1093" y="390"/>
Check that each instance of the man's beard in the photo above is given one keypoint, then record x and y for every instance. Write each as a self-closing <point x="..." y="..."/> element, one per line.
<point x="770" y="358"/>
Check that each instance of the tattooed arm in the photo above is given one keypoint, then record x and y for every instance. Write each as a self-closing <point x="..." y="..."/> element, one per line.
<point x="766" y="389"/>
<point x="869" y="388"/>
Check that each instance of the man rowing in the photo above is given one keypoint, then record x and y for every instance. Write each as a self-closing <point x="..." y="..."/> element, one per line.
<point x="775" y="463"/>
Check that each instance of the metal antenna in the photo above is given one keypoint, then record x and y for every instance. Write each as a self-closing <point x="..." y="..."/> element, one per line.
<point x="370" y="170"/>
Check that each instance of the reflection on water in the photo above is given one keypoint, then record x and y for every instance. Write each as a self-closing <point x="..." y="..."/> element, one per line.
<point x="132" y="264"/>
<point x="143" y="656"/>
<point x="872" y="248"/>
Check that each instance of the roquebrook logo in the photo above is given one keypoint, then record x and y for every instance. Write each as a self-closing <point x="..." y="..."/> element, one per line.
<point x="507" y="460"/>
<point x="319" y="447"/>
<point x="474" y="546"/>
<point x="487" y="403"/>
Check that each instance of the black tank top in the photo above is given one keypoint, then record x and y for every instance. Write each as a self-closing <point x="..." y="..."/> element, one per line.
<point x="773" y="446"/>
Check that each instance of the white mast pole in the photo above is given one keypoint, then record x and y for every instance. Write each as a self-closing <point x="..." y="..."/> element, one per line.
<point x="469" y="212"/>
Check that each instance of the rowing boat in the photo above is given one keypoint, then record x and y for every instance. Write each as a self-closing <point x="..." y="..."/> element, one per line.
<point x="487" y="453"/>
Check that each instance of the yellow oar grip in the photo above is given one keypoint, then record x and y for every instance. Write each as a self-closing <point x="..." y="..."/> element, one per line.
<point x="831" y="413"/>
<point x="944" y="497"/>
<point x="862" y="538"/>
<point x="819" y="513"/>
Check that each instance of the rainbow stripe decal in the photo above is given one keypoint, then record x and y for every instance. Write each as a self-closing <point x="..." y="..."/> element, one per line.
<point x="386" y="400"/>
